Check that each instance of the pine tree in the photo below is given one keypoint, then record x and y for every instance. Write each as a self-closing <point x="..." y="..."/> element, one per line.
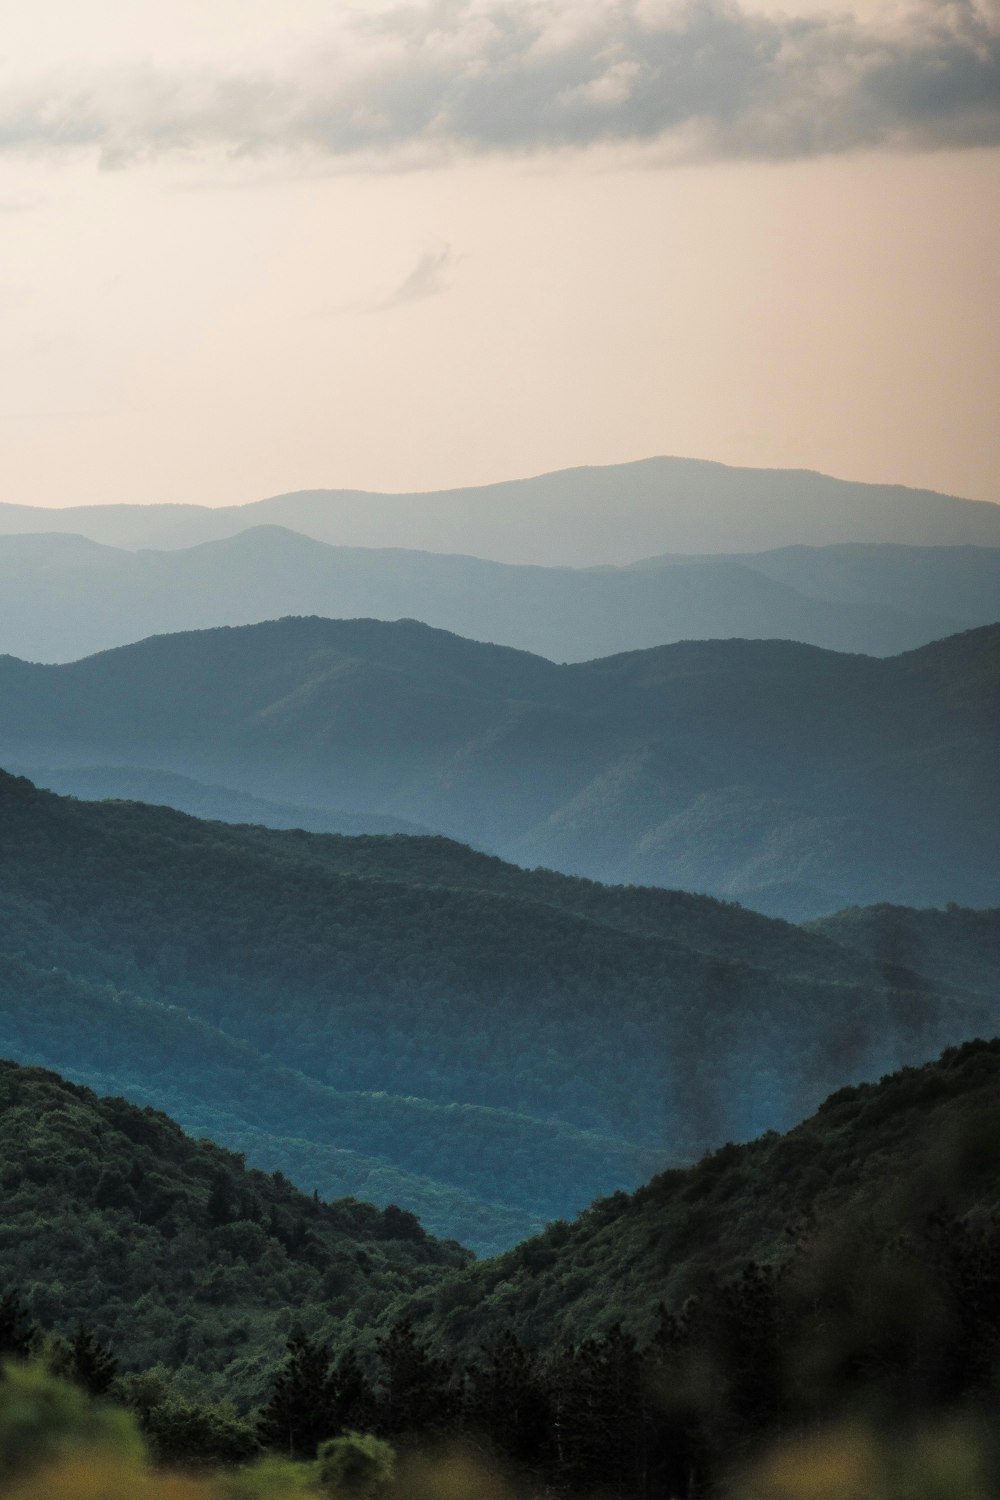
<point x="506" y="1401"/>
<point x="300" y="1412"/>
<point x="16" y="1331"/>
<point x="353" y="1407"/>
<point x="91" y="1365"/>
<point x="416" y="1395"/>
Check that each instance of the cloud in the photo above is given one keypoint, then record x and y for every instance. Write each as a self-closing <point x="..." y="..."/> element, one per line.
<point x="427" y="279"/>
<point x="422" y="82"/>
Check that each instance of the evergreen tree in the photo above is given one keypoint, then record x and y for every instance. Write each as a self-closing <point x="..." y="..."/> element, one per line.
<point x="299" y="1414"/>
<point x="352" y="1404"/>
<point x="416" y="1394"/>
<point x="596" y="1396"/>
<point x="16" y="1330"/>
<point x="91" y="1365"/>
<point x="506" y="1401"/>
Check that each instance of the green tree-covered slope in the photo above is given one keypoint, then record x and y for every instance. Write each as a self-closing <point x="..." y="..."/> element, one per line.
<point x="485" y="1036"/>
<point x="876" y="1168"/>
<point x="173" y="1252"/>
<point x="485" y="1176"/>
<point x="837" y="1285"/>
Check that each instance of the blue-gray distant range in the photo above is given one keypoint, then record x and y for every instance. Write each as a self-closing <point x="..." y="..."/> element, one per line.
<point x="580" y="517"/>
<point x="64" y="596"/>
<point x="795" y="780"/>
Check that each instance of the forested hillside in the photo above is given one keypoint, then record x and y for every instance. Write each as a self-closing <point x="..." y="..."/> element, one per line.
<point x="882" y="1174"/>
<point x="162" y="789"/>
<point x="487" y="1046"/>
<point x="796" y="780"/>
<point x="951" y="946"/>
<point x="174" y="1253"/>
<point x="837" y="1285"/>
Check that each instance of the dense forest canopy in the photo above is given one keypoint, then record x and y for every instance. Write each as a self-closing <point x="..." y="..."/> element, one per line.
<point x="174" y="1253"/>
<point x="490" y="1047"/>
<point x="836" y="1289"/>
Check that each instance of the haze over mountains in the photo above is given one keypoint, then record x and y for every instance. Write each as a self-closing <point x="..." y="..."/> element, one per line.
<point x="340" y="979"/>
<point x="793" y="779"/>
<point x="577" y="517"/>
<point x="65" y="596"/>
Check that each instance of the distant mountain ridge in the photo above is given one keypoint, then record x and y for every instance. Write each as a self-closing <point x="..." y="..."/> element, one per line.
<point x="65" y="596"/>
<point x="583" y="516"/>
<point x="162" y="789"/>
<point x="794" y="779"/>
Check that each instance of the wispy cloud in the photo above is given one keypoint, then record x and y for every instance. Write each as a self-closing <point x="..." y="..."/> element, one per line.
<point x="421" y="82"/>
<point x="429" y="278"/>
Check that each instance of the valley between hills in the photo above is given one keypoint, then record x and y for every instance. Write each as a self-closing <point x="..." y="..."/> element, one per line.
<point x="555" y="1031"/>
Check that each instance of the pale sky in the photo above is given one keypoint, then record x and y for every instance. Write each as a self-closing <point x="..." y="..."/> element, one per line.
<point x="250" y="247"/>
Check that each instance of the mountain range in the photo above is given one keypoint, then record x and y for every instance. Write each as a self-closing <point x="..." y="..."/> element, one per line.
<point x="793" y="779"/>
<point x="877" y="598"/>
<point x="580" y="517"/>
<point x="403" y="1017"/>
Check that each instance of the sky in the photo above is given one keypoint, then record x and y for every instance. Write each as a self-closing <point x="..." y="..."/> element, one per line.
<point x="249" y="247"/>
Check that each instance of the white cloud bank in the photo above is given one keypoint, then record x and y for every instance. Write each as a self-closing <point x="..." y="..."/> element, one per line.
<point x="422" y="83"/>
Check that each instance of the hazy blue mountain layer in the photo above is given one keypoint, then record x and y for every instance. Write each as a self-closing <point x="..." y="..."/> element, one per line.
<point x="954" y="946"/>
<point x="795" y="780"/>
<point x="582" y="517"/>
<point x="486" y="1046"/>
<point x="65" y="596"/>
<point x="164" y="789"/>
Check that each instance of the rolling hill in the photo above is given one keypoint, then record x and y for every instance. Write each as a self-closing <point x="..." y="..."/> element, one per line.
<point x="161" y="788"/>
<point x="579" y="517"/>
<point x="795" y="780"/>
<point x="879" y="599"/>
<point x="953" y="946"/>
<point x="171" y="1250"/>
<point x="486" y="1046"/>
<point x="876" y="1167"/>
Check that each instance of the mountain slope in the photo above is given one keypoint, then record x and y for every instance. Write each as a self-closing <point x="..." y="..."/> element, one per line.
<point x="582" y="517"/>
<point x="486" y="1176"/>
<point x="955" y="946"/>
<point x="527" y="1046"/>
<point x="169" y="1249"/>
<point x="858" y="600"/>
<point x="877" y="1162"/>
<point x="161" y="788"/>
<point x="796" y="780"/>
